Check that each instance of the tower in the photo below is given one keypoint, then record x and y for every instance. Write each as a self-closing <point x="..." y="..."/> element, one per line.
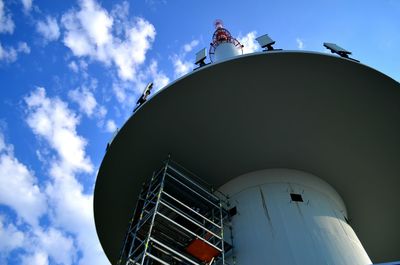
<point x="295" y="161"/>
<point x="223" y="45"/>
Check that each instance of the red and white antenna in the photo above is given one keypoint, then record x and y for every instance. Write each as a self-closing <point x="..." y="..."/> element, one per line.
<point x="223" y="45"/>
<point x="218" y="23"/>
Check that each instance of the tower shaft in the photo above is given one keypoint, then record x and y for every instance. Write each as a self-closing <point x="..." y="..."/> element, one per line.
<point x="290" y="217"/>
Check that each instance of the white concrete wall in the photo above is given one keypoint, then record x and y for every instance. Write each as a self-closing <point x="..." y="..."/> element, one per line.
<point x="269" y="228"/>
<point x="225" y="51"/>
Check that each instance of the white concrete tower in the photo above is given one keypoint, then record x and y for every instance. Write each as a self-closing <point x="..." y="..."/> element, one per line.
<point x="288" y="216"/>
<point x="295" y="157"/>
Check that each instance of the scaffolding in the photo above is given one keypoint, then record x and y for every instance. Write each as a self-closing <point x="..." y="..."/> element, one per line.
<point x="177" y="220"/>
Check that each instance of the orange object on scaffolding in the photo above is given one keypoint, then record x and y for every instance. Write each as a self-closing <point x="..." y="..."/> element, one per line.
<point x="201" y="250"/>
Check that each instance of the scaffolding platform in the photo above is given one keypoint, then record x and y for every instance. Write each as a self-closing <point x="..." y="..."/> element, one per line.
<point x="177" y="220"/>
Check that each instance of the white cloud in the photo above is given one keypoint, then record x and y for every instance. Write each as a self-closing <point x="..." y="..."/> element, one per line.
<point x="6" y="23"/>
<point x="300" y="43"/>
<point x="2" y="143"/>
<point x="44" y="245"/>
<point x="27" y="4"/>
<point x="79" y="66"/>
<point x="95" y="22"/>
<point x="78" y="43"/>
<point x="119" y="90"/>
<point x="85" y="99"/>
<point x="74" y="215"/>
<point x="56" y="123"/>
<point x="126" y="93"/>
<point x="111" y="127"/>
<point x="39" y="245"/>
<point x="24" y="48"/>
<point x="158" y="78"/>
<point x="89" y="33"/>
<point x="71" y="209"/>
<point x="19" y="191"/>
<point x="114" y="39"/>
<point x="18" y="187"/>
<point x="101" y="112"/>
<point x="83" y="65"/>
<point x="120" y="13"/>
<point x="249" y="42"/>
<point x="73" y="66"/>
<point x="69" y="236"/>
<point x="188" y="47"/>
<point x="10" y="54"/>
<point x="181" y="66"/>
<point x="48" y="29"/>
<point x="55" y="244"/>
<point x="37" y="258"/>
<point x="10" y="237"/>
<point x="131" y="53"/>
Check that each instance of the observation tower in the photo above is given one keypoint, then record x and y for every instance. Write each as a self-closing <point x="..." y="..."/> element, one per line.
<point x="274" y="157"/>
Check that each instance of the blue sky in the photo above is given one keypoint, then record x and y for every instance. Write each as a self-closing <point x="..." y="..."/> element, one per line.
<point x="71" y="72"/>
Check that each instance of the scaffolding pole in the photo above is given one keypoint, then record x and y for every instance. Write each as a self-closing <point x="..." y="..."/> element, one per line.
<point x="176" y="221"/>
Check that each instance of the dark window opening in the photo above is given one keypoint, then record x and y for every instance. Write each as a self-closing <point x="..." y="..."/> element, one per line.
<point x="232" y="211"/>
<point x="296" y="197"/>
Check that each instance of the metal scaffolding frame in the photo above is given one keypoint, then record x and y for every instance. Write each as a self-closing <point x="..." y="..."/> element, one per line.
<point x="177" y="220"/>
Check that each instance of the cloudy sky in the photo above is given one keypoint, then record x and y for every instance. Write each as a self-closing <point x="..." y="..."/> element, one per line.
<point x="71" y="72"/>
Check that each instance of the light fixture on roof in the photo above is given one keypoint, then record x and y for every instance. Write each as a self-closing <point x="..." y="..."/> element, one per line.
<point x="144" y="96"/>
<point x="201" y="57"/>
<point x="334" y="48"/>
<point x="266" y="42"/>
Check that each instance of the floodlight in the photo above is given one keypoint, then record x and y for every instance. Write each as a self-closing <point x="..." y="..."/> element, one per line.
<point x="144" y="96"/>
<point x="200" y="57"/>
<point x="148" y="88"/>
<point x="266" y="42"/>
<point x="334" y="48"/>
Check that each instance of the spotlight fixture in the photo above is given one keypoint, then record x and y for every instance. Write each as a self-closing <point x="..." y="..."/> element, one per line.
<point x="334" y="48"/>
